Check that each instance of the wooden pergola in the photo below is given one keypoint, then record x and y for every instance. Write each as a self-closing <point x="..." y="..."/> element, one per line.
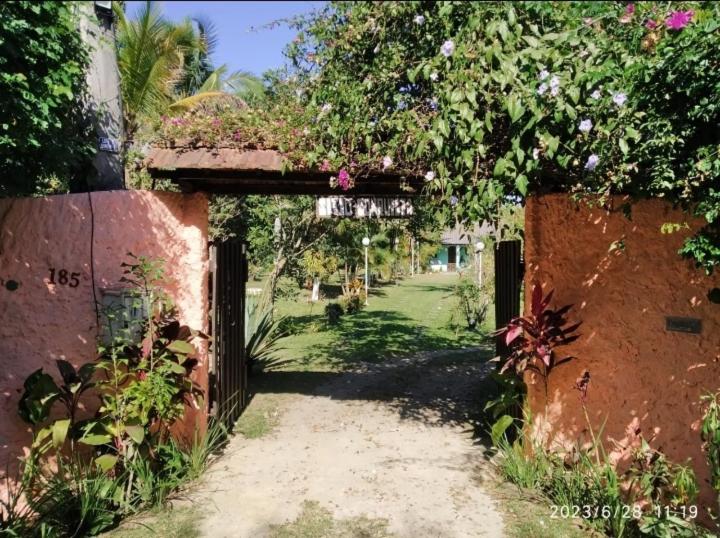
<point x="237" y="171"/>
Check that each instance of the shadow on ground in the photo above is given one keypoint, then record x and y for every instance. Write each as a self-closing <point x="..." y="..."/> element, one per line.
<point x="449" y="387"/>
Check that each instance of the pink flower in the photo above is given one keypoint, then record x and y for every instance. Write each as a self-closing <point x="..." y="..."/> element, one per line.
<point x="216" y="122"/>
<point x="651" y="24"/>
<point x="679" y="19"/>
<point x="627" y="16"/>
<point x="325" y="166"/>
<point x="344" y="180"/>
<point x="237" y="136"/>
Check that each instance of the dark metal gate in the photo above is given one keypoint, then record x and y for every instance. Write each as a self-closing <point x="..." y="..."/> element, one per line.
<point x="228" y="261"/>
<point x="508" y="282"/>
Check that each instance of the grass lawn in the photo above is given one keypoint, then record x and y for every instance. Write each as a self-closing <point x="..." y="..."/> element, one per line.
<point x="415" y="314"/>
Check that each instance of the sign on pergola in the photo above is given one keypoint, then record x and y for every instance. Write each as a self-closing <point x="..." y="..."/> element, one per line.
<point x="364" y="207"/>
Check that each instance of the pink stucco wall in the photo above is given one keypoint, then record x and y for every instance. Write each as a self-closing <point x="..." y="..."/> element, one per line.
<point x="642" y="376"/>
<point x="40" y="322"/>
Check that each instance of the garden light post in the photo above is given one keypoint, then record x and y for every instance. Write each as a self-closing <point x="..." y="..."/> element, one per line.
<point x="479" y="247"/>
<point x="366" y="244"/>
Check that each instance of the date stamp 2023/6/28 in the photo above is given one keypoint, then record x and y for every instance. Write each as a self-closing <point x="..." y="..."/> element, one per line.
<point x="620" y="511"/>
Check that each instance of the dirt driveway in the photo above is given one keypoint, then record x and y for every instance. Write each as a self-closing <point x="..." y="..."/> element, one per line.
<point x="387" y="450"/>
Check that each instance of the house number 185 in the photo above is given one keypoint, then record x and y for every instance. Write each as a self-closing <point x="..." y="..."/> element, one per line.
<point x="64" y="278"/>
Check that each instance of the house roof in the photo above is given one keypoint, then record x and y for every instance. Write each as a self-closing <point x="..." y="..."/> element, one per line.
<point x="264" y="171"/>
<point x="460" y="235"/>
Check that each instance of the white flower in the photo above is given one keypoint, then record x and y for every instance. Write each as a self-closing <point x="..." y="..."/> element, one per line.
<point x="585" y="126"/>
<point x="542" y="88"/>
<point x="419" y="20"/>
<point x="299" y="92"/>
<point x="433" y="76"/>
<point x="596" y="94"/>
<point x="544" y="74"/>
<point x="430" y="175"/>
<point x="453" y="200"/>
<point x="619" y="99"/>
<point x="447" y="48"/>
<point x="306" y="131"/>
<point x="387" y="162"/>
<point x="592" y="162"/>
<point x="536" y="154"/>
<point x="327" y="107"/>
<point x="376" y="49"/>
<point x="554" y="82"/>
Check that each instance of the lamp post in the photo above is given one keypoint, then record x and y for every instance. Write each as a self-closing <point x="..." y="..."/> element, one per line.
<point x="479" y="247"/>
<point x="366" y="244"/>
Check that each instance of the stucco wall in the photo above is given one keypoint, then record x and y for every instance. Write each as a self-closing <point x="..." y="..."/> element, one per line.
<point x="40" y="322"/>
<point x="642" y="376"/>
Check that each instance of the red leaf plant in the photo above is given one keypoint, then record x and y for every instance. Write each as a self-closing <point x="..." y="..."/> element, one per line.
<point x="533" y="338"/>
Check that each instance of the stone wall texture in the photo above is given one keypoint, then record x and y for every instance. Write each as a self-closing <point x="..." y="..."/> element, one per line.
<point x="624" y="277"/>
<point x="41" y="322"/>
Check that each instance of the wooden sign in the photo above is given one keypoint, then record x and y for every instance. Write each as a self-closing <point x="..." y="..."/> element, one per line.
<point x="683" y="325"/>
<point x="364" y="207"/>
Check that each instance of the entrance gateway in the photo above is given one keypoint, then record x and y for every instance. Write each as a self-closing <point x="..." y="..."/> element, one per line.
<point x="386" y="194"/>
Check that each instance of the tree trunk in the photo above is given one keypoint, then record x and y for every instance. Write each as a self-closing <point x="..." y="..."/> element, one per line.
<point x="315" y="290"/>
<point x="278" y="267"/>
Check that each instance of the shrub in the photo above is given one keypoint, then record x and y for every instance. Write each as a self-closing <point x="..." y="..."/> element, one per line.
<point x="534" y="338"/>
<point x="353" y="297"/>
<point x="263" y="344"/>
<point x="474" y="303"/>
<point x="333" y="311"/>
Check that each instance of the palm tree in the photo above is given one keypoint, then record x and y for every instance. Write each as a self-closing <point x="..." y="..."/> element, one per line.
<point x="167" y="67"/>
<point x="151" y="57"/>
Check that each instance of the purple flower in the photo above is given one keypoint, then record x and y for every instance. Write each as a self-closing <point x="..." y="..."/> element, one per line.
<point x="387" y="162"/>
<point x="592" y="162"/>
<point x="543" y="74"/>
<point x="651" y="24"/>
<point x="585" y="126"/>
<point x="679" y="19"/>
<point x="554" y="86"/>
<point x="433" y="103"/>
<point x="216" y="122"/>
<point x="447" y="48"/>
<point x="344" y="179"/>
<point x="453" y="200"/>
<point x="619" y="99"/>
<point x="542" y="88"/>
<point x="327" y="107"/>
<point x="325" y="166"/>
<point x="629" y="12"/>
<point x="419" y="20"/>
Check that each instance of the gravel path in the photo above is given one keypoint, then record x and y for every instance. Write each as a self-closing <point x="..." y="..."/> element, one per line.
<point x="388" y="447"/>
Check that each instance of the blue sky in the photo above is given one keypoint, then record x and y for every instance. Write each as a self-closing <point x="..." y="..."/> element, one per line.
<point x="239" y="46"/>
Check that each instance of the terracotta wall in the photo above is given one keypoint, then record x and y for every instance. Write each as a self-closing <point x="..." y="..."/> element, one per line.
<point x="643" y="377"/>
<point x="40" y="322"/>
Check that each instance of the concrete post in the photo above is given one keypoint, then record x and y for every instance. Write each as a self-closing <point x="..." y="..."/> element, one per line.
<point x="104" y="105"/>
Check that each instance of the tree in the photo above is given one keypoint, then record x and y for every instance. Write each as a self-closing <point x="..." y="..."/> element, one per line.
<point x="151" y="59"/>
<point x="45" y="144"/>
<point x="493" y="100"/>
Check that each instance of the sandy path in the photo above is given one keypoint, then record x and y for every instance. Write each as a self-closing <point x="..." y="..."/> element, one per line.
<point x="389" y="442"/>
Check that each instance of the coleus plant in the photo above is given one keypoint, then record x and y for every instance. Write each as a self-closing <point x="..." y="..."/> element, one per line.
<point x="534" y="338"/>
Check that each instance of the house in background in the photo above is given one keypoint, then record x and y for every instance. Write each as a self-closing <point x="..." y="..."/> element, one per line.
<point x="457" y="248"/>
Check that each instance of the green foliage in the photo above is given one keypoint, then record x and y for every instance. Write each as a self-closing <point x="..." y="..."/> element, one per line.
<point x="45" y="144"/>
<point x="353" y="297"/>
<point x="474" y="302"/>
<point x="263" y="343"/>
<point x="142" y="377"/>
<point x="496" y="112"/>
<point x="710" y="433"/>
<point x="333" y="311"/>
